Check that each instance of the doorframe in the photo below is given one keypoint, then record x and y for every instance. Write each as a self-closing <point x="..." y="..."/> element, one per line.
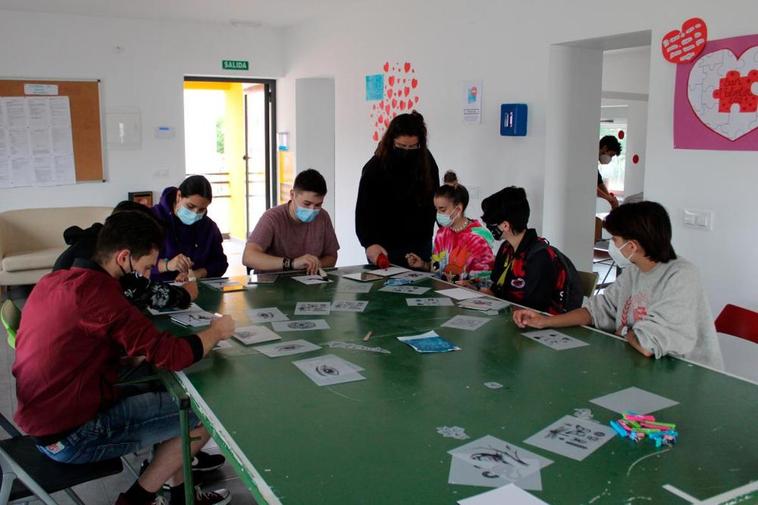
<point x="272" y="170"/>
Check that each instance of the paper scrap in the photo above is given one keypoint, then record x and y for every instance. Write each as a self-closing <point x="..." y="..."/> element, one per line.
<point x="250" y="335"/>
<point x="455" y="432"/>
<point x="509" y="494"/>
<point x="349" y="305"/>
<point x="266" y="315"/>
<point x="429" y="302"/>
<point x="328" y="370"/>
<point x="313" y="308"/>
<point x="356" y="347"/>
<point x="405" y="290"/>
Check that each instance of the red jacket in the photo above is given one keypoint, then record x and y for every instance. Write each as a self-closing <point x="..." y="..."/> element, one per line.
<point x="75" y="326"/>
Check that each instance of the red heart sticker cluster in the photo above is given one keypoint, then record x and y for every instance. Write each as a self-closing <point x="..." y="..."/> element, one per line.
<point x="400" y="96"/>
<point x="683" y="46"/>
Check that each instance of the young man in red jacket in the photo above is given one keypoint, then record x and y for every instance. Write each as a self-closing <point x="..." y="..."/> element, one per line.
<point x="76" y="326"/>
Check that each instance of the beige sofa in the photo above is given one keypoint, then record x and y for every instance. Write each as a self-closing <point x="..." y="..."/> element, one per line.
<point x="32" y="239"/>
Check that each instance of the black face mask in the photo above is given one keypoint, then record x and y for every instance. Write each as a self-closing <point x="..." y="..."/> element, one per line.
<point x="405" y="156"/>
<point x="133" y="284"/>
<point x="497" y="233"/>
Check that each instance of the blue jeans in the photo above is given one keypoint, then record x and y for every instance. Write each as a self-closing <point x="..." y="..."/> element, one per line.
<point x="131" y="424"/>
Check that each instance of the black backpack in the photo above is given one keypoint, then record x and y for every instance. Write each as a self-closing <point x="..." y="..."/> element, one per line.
<point x="570" y="293"/>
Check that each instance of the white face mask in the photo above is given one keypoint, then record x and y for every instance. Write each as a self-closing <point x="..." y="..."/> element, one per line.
<point x="605" y="159"/>
<point x="615" y="252"/>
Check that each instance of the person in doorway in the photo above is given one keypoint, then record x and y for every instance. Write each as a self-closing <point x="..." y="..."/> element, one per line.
<point x="193" y="247"/>
<point x="462" y="246"/>
<point x="394" y="212"/>
<point x="76" y="324"/>
<point x="297" y="235"/>
<point x="657" y="304"/>
<point x="528" y="270"/>
<point x="609" y="147"/>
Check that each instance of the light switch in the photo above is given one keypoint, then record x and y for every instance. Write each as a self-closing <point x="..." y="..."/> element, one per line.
<point x="699" y="219"/>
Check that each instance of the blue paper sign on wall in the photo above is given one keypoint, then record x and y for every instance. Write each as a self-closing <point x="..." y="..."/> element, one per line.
<point x="513" y="119"/>
<point x="374" y="87"/>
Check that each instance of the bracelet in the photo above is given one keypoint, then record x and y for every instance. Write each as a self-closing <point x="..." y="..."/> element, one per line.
<point x="165" y="265"/>
<point x="286" y="263"/>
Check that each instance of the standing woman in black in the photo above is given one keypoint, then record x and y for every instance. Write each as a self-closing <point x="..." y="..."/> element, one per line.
<point x="395" y="212"/>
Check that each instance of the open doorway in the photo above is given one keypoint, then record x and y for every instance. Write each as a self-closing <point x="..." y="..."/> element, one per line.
<point x="229" y="127"/>
<point x="581" y="107"/>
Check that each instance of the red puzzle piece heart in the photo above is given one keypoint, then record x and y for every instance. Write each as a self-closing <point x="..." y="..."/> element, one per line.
<point x="683" y="46"/>
<point x="392" y="80"/>
<point x="406" y="90"/>
<point x="386" y="67"/>
<point x="414" y="83"/>
<point x="407" y="67"/>
<point x="376" y="136"/>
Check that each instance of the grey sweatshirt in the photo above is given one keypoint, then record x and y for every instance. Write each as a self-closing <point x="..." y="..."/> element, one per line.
<point x="667" y="309"/>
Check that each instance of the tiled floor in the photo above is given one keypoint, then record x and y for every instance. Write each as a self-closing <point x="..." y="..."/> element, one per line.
<point x="105" y="491"/>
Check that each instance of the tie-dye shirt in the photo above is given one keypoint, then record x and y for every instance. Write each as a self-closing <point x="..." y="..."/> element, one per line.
<point x="464" y="255"/>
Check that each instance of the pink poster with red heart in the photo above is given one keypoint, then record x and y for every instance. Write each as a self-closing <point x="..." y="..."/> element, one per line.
<point x="716" y="97"/>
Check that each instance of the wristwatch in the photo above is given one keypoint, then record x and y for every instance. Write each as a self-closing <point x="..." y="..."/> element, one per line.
<point x="286" y="263"/>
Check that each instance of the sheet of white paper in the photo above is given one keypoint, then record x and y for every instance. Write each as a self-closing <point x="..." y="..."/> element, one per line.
<point x="328" y="370"/>
<point x="4" y="152"/>
<point x="250" y="335"/>
<point x="266" y="315"/>
<point x="354" y="287"/>
<point x="16" y="115"/>
<point x="506" y="495"/>
<point x="43" y="169"/>
<point x="39" y="112"/>
<point x="500" y="458"/>
<point x="192" y="308"/>
<point x="363" y="276"/>
<point x="349" y="305"/>
<point x="470" y="323"/>
<point x="223" y="344"/>
<point x="484" y="304"/>
<point x="465" y="474"/>
<point x="635" y="400"/>
<point x="414" y="276"/>
<point x="460" y="293"/>
<point x="310" y="280"/>
<point x="405" y="290"/>
<point x="18" y="143"/>
<point x="572" y="437"/>
<point x="5" y="172"/>
<point x="60" y="112"/>
<point x="287" y="348"/>
<point x="389" y="272"/>
<point x="554" y="339"/>
<point x="21" y="172"/>
<point x="429" y="302"/>
<point x="65" y="172"/>
<point x="313" y="308"/>
<point x="199" y="319"/>
<point x="301" y="325"/>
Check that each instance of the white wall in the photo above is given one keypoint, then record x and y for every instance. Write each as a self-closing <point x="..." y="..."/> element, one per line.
<point x="315" y="123"/>
<point x="506" y="44"/>
<point x="627" y="70"/>
<point x="148" y="75"/>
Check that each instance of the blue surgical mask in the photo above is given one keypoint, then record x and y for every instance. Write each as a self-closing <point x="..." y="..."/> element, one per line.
<point x="188" y="217"/>
<point x="444" y="220"/>
<point x="306" y="215"/>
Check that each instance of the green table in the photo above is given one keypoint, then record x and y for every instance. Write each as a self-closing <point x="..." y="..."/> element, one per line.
<point x="375" y="441"/>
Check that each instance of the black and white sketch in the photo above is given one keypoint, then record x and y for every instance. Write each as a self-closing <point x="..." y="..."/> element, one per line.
<point x="349" y="305"/>
<point x="266" y="315"/>
<point x="405" y="290"/>
<point x="413" y="276"/>
<point x="469" y="323"/>
<point x="329" y="369"/>
<point x="572" y="437"/>
<point x="429" y="302"/>
<point x="195" y="319"/>
<point x="287" y="348"/>
<point x="310" y="280"/>
<point x="250" y="335"/>
<point x="554" y="339"/>
<point x="484" y="304"/>
<point x="313" y="308"/>
<point x="301" y="325"/>
<point x="353" y="287"/>
<point x="492" y="462"/>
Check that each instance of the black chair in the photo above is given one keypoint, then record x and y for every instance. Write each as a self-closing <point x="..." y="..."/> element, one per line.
<point x="27" y="472"/>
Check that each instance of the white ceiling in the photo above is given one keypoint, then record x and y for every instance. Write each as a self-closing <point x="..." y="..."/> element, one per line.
<point x="277" y="13"/>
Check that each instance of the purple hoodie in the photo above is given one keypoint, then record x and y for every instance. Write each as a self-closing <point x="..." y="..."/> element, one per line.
<point x="201" y="241"/>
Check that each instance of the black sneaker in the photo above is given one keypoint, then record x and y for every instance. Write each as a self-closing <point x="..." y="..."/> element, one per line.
<point x="204" y="462"/>
<point x="217" y="497"/>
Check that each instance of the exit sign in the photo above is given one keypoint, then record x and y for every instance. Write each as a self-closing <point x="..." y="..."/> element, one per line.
<point x="235" y="64"/>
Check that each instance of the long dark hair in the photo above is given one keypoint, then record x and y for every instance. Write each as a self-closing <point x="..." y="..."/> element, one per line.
<point x="411" y="125"/>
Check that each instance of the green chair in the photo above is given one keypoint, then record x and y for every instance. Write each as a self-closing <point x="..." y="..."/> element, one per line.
<point x="589" y="282"/>
<point x="10" y="315"/>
